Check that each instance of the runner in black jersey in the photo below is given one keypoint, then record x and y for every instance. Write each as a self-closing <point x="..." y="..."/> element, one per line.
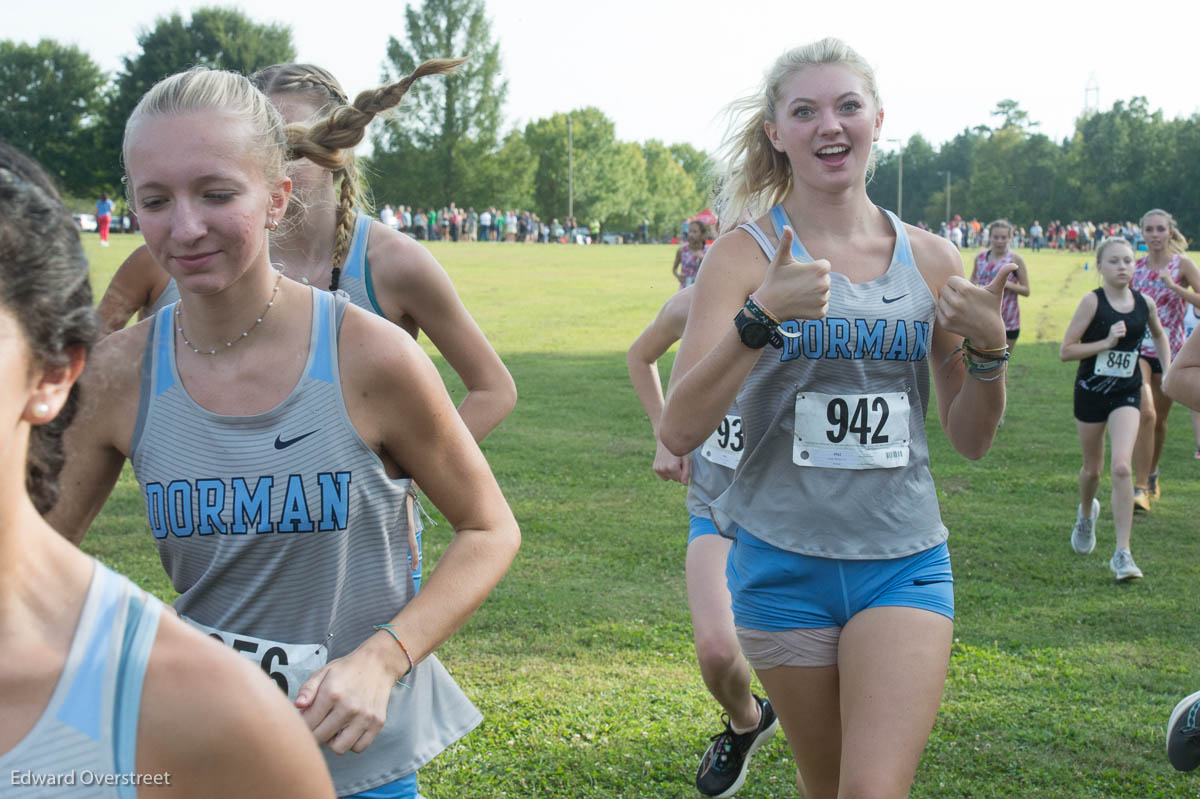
<point x="1104" y="335"/>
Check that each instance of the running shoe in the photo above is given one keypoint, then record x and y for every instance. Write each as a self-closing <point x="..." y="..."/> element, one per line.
<point x="726" y="761"/>
<point x="1083" y="537"/>
<point x="1123" y="566"/>
<point x="1141" y="500"/>
<point x="1152" y="487"/>
<point x="1183" y="734"/>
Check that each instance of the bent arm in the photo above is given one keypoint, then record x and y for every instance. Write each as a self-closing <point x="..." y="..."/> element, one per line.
<point x="1158" y="334"/>
<point x="136" y="285"/>
<point x="1187" y="287"/>
<point x="97" y="442"/>
<point x="1181" y="381"/>
<point x="403" y="407"/>
<point x="712" y="363"/>
<point x="1074" y="350"/>
<point x="969" y="408"/>
<point x="642" y="356"/>
<point x="410" y="282"/>
<point x="1020" y="282"/>
<point x="233" y="715"/>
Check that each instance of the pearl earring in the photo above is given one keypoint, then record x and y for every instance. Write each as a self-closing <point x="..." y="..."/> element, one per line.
<point x="41" y="410"/>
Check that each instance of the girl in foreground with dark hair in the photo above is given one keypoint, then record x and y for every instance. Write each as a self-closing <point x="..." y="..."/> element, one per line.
<point x="97" y="683"/>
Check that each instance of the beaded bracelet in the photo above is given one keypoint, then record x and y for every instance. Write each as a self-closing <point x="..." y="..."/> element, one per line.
<point x="387" y="628"/>
<point x="753" y="302"/>
<point x="981" y="361"/>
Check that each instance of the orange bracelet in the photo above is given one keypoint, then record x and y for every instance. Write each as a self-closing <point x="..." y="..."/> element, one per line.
<point x="387" y="628"/>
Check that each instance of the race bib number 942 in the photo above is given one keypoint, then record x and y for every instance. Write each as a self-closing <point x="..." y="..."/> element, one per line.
<point x="851" y="431"/>
<point x="1115" y="363"/>
<point x="289" y="665"/>
<point x="724" y="447"/>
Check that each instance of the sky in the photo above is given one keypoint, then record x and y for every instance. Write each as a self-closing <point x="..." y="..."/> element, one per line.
<point x="664" y="70"/>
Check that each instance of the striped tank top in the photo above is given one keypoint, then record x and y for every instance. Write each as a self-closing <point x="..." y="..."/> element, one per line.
<point x="836" y="463"/>
<point x="1168" y="304"/>
<point x="168" y="296"/>
<point x="985" y="273"/>
<point x="286" y="538"/>
<point x="713" y="463"/>
<point x="85" y="743"/>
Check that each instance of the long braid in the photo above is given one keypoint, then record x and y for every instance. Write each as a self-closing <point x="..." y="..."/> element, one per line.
<point x="326" y="141"/>
<point x="330" y="142"/>
<point x="344" y="229"/>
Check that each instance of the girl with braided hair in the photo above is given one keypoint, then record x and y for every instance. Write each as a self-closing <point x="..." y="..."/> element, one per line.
<point x="326" y="241"/>
<point x="274" y="430"/>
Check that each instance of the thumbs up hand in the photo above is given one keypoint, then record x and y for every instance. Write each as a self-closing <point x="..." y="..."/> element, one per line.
<point x="972" y="311"/>
<point x="794" y="290"/>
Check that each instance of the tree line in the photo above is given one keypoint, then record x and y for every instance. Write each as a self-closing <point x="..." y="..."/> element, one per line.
<point x="448" y="143"/>
<point x="1116" y="165"/>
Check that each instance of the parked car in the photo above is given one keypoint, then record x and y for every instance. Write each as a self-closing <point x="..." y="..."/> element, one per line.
<point x="86" y="222"/>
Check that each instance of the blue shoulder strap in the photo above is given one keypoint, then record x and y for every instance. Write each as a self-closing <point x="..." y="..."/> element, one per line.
<point x="903" y="253"/>
<point x="779" y="219"/>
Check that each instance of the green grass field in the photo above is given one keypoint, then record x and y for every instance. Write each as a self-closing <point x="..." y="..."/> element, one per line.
<point x="1060" y="680"/>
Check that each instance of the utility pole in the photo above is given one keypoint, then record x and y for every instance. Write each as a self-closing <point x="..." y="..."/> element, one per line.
<point x="570" y="171"/>
<point x="900" y="182"/>
<point x="947" y="198"/>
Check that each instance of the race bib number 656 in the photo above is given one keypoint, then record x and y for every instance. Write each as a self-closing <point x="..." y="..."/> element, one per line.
<point x="289" y="665"/>
<point x="851" y="431"/>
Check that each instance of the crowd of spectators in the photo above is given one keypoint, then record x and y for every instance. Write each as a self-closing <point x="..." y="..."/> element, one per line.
<point x="1073" y="236"/>
<point x="451" y="223"/>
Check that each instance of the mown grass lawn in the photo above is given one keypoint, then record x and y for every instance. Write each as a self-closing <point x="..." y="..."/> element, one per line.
<point x="1060" y="680"/>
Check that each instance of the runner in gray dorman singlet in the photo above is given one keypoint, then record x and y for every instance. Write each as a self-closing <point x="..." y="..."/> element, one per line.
<point x="286" y="538"/>
<point x="853" y="480"/>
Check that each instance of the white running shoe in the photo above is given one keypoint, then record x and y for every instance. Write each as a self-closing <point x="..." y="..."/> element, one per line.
<point x="1123" y="566"/>
<point x="1083" y="537"/>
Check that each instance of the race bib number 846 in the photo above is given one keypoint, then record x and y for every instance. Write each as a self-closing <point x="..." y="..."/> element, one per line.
<point x="851" y="431"/>
<point x="1116" y="363"/>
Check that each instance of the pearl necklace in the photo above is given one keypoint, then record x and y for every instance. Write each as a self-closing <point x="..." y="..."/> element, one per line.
<point x="228" y="344"/>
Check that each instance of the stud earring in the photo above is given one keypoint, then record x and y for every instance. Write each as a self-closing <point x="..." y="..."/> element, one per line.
<point x="272" y="224"/>
<point x="41" y="410"/>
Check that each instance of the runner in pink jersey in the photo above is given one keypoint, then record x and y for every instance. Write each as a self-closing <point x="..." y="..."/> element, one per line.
<point x="690" y="253"/>
<point x="1170" y="278"/>
<point x="988" y="264"/>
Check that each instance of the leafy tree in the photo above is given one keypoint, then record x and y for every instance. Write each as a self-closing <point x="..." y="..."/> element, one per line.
<point x="220" y="38"/>
<point x="503" y="178"/>
<point x="453" y="119"/>
<point x="672" y="192"/>
<point x="1014" y="116"/>
<point x="49" y="94"/>
<point x="593" y="137"/>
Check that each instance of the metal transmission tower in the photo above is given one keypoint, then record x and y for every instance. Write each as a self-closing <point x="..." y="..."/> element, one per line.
<point x="1091" y="96"/>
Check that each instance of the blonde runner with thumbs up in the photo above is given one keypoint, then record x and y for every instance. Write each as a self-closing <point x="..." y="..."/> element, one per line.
<point x="823" y="317"/>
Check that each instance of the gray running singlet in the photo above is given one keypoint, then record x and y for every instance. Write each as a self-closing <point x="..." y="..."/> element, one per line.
<point x="169" y="296"/>
<point x="836" y="463"/>
<point x="356" y="274"/>
<point x="713" y="463"/>
<point x="88" y="731"/>
<point x="286" y="539"/>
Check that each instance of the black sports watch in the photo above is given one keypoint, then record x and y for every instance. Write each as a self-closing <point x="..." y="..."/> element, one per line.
<point x="753" y="333"/>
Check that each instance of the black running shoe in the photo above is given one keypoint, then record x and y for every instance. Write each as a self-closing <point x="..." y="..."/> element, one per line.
<point x="724" y="765"/>
<point x="1183" y="734"/>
